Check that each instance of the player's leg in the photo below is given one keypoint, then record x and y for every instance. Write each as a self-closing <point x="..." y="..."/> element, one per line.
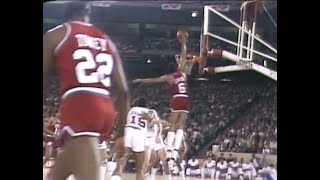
<point x="162" y="156"/>
<point x="48" y="152"/>
<point x="172" y="130"/>
<point x="121" y="163"/>
<point x="155" y="166"/>
<point x="181" y="121"/>
<point x="124" y="143"/>
<point x="103" y="160"/>
<point x="85" y="157"/>
<point x="139" y="165"/>
<point x="147" y="157"/>
<point x="138" y="147"/>
<point x="61" y="169"/>
<point x="152" y="160"/>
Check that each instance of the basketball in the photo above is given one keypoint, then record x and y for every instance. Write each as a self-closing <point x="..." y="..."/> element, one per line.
<point x="182" y="35"/>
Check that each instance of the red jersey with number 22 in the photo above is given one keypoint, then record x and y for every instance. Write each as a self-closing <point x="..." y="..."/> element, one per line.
<point x="85" y="62"/>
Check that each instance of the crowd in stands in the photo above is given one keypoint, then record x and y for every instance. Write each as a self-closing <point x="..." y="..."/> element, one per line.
<point x="232" y="117"/>
<point x="255" y="130"/>
<point x="164" y="44"/>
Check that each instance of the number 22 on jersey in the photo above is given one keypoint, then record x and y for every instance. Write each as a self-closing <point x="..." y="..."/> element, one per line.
<point x="102" y="73"/>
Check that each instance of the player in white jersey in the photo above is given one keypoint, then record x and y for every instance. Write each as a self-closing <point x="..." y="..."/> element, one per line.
<point x="209" y="168"/>
<point x="248" y="170"/>
<point x="221" y="169"/>
<point x="134" y="137"/>
<point x="235" y="170"/>
<point x="155" y="145"/>
<point x="176" y="164"/>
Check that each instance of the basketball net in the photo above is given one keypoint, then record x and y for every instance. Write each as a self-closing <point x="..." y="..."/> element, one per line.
<point x="245" y="45"/>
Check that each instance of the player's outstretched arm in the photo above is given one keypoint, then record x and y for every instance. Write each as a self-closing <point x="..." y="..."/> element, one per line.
<point x="123" y="102"/>
<point x="162" y="79"/>
<point x="50" y="41"/>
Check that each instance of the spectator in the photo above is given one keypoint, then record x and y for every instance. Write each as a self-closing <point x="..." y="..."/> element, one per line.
<point x="263" y="162"/>
<point x="230" y="158"/>
<point x="254" y="161"/>
<point x="221" y="157"/>
<point x="222" y="168"/>
<point x="193" y="168"/>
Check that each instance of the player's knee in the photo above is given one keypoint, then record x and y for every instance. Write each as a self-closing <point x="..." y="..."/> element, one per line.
<point x="172" y="127"/>
<point x="180" y="125"/>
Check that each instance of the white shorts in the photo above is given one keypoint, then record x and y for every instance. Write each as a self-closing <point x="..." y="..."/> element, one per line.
<point x="134" y="139"/>
<point x="152" y="144"/>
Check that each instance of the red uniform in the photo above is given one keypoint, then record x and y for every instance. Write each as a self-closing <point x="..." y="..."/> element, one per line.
<point x="55" y="127"/>
<point x="85" y="64"/>
<point x="179" y="101"/>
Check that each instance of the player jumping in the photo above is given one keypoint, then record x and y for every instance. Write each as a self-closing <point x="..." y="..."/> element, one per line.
<point x="179" y="102"/>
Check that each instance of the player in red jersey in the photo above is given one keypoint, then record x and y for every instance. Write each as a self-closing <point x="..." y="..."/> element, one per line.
<point x="179" y="102"/>
<point x="179" y="105"/>
<point x="87" y="62"/>
<point x="51" y="129"/>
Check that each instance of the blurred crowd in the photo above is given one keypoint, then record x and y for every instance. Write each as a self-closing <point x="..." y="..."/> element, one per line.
<point x="229" y="116"/>
<point x="256" y="130"/>
<point x="164" y="44"/>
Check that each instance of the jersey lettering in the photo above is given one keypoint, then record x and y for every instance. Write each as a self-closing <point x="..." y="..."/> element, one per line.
<point x="103" y="72"/>
<point x="138" y="120"/>
<point x="182" y="87"/>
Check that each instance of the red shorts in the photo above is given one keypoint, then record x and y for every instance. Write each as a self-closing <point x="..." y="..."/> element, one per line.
<point x="179" y="104"/>
<point x="86" y="114"/>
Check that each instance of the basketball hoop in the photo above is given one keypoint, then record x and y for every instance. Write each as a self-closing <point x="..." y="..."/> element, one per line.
<point x="247" y="37"/>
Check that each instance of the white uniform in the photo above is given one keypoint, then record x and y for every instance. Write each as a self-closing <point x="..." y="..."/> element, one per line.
<point x="248" y="170"/>
<point x="221" y="169"/>
<point x="209" y="169"/>
<point x="268" y="173"/>
<point x="235" y="169"/>
<point x="136" y="129"/>
<point x="154" y="140"/>
<point x="193" y="168"/>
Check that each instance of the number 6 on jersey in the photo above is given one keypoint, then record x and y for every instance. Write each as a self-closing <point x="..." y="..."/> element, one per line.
<point x="102" y="73"/>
